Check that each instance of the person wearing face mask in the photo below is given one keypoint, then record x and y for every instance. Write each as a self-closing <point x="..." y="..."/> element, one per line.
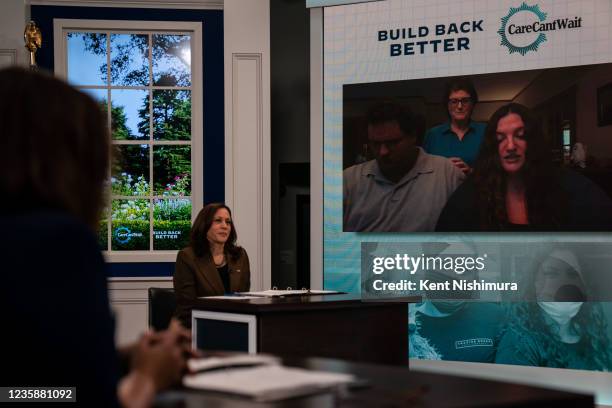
<point x="516" y="187"/>
<point x="460" y="329"/>
<point x="561" y="328"/>
<point x="455" y="323"/>
<point x="460" y="138"/>
<point x="212" y="264"/>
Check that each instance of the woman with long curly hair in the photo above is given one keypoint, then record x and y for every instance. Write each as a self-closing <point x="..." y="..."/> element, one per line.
<point x="556" y="325"/>
<point x="515" y="185"/>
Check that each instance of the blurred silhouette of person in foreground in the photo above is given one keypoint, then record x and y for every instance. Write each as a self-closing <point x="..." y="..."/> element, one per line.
<point x="54" y="300"/>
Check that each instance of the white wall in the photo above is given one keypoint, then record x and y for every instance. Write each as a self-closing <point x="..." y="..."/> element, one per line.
<point x="12" y="23"/>
<point x="130" y="305"/>
<point x="247" y="129"/>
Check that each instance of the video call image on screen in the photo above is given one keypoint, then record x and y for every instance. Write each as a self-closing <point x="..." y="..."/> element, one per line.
<point x="451" y="122"/>
<point x="427" y="155"/>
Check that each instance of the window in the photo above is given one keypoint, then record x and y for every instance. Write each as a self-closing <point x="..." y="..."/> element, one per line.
<point x="146" y="76"/>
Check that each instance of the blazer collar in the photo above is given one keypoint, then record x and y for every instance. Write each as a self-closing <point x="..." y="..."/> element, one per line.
<point x="209" y="271"/>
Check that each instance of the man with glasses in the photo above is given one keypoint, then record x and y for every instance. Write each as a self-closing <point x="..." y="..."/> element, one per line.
<point x="460" y="138"/>
<point x="403" y="189"/>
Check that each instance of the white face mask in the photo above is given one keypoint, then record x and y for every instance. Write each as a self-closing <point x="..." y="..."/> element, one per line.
<point x="561" y="312"/>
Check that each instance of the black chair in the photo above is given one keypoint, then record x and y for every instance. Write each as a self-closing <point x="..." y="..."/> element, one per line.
<point x="162" y="303"/>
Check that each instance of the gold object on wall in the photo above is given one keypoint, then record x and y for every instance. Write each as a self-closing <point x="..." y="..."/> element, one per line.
<point x="33" y="41"/>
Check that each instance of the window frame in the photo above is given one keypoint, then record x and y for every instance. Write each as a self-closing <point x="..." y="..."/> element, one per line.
<point x="63" y="26"/>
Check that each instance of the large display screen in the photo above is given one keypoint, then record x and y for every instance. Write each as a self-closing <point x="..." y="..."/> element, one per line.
<point x="481" y="129"/>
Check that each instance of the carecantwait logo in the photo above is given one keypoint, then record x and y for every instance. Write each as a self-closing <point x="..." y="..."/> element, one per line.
<point x="524" y="28"/>
<point x="124" y="235"/>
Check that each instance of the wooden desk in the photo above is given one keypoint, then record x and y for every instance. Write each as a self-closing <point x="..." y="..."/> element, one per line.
<point x="335" y="326"/>
<point x="395" y="387"/>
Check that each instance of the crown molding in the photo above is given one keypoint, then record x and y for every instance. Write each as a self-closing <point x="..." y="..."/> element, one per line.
<point x="169" y="4"/>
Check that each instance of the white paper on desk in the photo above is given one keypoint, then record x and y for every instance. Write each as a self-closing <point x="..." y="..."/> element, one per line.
<point x="209" y="363"/>
<point x="323" y="292"/>
<point x="276" y="292"/>
<point x="267" y="383"/>
<point x="230" y="297"/>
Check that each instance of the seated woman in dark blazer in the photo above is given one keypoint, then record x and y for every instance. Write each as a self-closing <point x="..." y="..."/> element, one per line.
<point x="212" y="264"/>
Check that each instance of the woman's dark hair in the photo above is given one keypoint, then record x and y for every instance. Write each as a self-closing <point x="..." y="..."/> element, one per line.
<point x="201" y="225"/>
<point x="526" y="316"/>
<point x="459" y="84"/>
<point x="55" y="146"/>
<point x="546" y="200"/>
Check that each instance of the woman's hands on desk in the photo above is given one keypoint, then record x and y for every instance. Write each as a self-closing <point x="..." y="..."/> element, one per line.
<point x="158" y="362"/>
<point x="178" y="335"/>
<point x="159" y="356"/>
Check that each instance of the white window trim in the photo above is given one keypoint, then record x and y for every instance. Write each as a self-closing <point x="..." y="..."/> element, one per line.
<point x="162" y="4"/>
<point x="60" y="26"/>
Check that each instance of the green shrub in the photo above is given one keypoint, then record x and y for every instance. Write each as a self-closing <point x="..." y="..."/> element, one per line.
<point x="130" y="210"/>
<point x="179" y="186"/>
<point x="172" y="210"/>
<point x="124" y="184"/>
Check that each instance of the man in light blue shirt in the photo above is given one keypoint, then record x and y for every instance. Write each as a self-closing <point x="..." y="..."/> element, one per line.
<point x="460" y="138"/>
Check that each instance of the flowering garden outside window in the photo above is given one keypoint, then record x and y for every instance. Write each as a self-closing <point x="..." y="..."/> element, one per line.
<point x="143" y="83"/>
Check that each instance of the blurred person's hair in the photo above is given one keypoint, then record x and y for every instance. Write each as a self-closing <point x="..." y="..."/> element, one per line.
<point x="391" y="111"/>
<point x="55" y="146"/>
<point x="546" y="200"/>
<point x="198" y="239"/>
